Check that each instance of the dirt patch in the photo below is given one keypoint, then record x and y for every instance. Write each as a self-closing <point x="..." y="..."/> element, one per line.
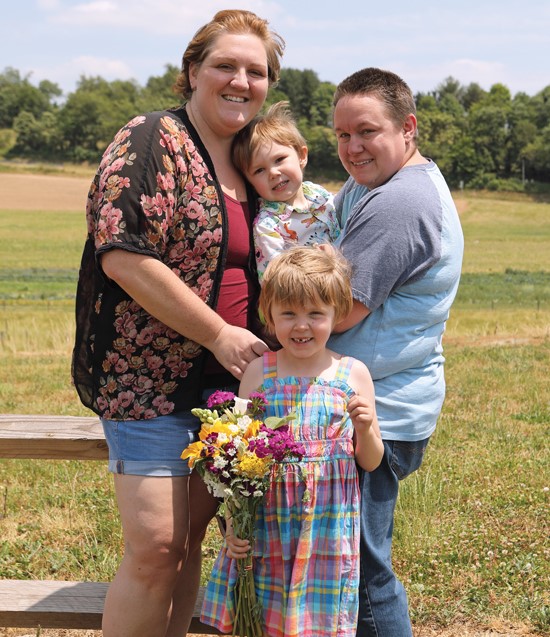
<point x="43" y="192"/>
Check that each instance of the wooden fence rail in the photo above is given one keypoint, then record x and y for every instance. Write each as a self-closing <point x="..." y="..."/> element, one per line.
<point x="52" y="603"/>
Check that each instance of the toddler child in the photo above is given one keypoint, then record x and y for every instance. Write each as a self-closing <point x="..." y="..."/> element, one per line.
<point x="272" y="155"/>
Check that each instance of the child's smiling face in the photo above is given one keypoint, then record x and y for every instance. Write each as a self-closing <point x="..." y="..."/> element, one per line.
<point x="303" y="331"/>
<point x="276" y="172"/>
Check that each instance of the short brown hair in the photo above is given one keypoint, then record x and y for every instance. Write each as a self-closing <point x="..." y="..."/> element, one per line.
<point x="307" y="274"/>
<point x="388" y="87"/>
<point x="276" y="125"/>
<point x="231" y="21"/>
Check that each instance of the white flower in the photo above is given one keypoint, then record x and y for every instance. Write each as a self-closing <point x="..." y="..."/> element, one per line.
<point x="241" y="405"/>
<point x="243" y="422"/>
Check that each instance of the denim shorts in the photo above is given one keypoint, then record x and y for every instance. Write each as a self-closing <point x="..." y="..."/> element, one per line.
<point x="151" y="447"/>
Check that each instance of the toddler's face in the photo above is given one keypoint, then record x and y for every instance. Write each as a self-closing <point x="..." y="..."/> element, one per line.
<point x="276" y="172"/>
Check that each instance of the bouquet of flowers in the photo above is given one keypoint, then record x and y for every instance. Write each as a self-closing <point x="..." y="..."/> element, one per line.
<point x="234" y="455"/>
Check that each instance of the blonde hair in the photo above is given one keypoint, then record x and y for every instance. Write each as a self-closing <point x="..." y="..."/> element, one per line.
<point x="230" y="21"/>
<point x="302" y="275"/>
<point x="276" y="125"/>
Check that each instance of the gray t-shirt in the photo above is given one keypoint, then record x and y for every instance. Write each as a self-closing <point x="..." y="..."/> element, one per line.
<point x="405" y="243"/>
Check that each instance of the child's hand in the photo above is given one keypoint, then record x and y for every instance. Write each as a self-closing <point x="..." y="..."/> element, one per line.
<point x="361" y="412"/>
<point x="236" y="548"/>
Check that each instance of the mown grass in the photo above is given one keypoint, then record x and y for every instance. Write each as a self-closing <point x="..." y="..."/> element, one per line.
<point x="471" y="537"/>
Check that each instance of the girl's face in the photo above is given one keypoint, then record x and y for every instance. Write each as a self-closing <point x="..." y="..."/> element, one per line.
<point x="276" y="173"/>
<point x="230" y="85"/>
<point x="303" y="331"/>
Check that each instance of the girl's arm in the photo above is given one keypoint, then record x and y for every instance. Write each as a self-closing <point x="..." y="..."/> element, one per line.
<point x="369" y="447"/>
<point x="252" y="378"/>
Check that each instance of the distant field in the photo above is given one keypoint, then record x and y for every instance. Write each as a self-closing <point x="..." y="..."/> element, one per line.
<point x="472" y="526"/>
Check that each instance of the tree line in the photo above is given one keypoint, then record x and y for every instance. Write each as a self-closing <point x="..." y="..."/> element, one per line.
<point x="480" y="139"/>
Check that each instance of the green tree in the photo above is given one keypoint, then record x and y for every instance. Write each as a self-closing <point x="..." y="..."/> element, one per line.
<point x="323" y="161"/>
<point x="299" y="86"/>
<point x="537" y="155"/>
<point x="472" y="94"/>
<point x="320" y="112"/>
<point x="37" y="138"/>
<point x="94" y="113"/>
<point x="17" y="94"/>
<point x="158" y="93"/>
<point x="522" y="132"/>
<point x="541" y="108"/>
<point x="490" y="129"/>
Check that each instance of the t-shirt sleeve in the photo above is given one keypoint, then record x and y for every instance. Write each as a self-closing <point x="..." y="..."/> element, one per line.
<point x="393" y="235"/>
<point x="339" y="199"/>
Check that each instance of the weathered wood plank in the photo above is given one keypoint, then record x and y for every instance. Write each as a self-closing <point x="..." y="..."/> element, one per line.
<point x="54" y="604"/>
<point x="49" y="603"/>
<point x="52" y="437"/>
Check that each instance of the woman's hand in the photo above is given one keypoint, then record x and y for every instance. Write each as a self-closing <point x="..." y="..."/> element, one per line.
<point x="235" y="347"/>
<point x="157" y="289"/>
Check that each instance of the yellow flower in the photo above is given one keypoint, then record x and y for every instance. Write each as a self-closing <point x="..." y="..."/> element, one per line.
<point x="193" y="452"/>
<point x="253" y="467"/>
<point x="252" y="429"/>
<point x="217" y="427"/>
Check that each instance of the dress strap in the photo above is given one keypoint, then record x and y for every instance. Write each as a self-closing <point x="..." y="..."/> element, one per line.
<point x="344" y="368"/>
<point x="270" y="364"/>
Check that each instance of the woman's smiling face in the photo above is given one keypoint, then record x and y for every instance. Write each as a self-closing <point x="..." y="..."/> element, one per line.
<point x="230" y="85"/>
<point x="371" y="146"/>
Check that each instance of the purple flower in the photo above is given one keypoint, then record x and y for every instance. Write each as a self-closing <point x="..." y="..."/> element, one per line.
<point x="278" y="443"/>
<point x="257" y="404"/>
<point x="221" y="399"/>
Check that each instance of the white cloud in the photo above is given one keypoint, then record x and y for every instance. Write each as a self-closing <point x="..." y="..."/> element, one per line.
<point x="153" y="16"/>
<point x="68" y="73"/>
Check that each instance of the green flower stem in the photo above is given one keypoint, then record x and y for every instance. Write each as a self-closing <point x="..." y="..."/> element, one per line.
<point x="248" y="621"/>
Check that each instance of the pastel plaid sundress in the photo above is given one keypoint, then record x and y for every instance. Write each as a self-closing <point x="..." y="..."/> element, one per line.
<point x="306" y="550"/>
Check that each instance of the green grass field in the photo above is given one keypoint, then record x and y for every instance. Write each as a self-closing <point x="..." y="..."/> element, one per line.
<point x="471" y="538"/>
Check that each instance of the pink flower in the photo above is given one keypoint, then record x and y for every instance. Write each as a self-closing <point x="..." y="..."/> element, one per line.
<point x="220" y="399"/>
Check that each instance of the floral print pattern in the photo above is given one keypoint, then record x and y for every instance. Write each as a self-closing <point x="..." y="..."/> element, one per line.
<point x="153" y="194"/>
<point x="279" y="226"/>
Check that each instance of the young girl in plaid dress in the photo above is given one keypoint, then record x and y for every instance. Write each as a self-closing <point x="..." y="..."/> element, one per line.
<point x="306" y="545"/>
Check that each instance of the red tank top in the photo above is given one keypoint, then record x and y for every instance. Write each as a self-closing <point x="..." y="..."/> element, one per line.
<point x="237" y="287"/>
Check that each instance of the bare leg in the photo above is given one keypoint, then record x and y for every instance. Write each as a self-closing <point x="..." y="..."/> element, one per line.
<point x="155" y="522"/>
<point x="202" y="507"/>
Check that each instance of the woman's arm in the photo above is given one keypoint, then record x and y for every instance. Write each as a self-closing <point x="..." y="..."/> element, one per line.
<point x="357" y="314"/>
<point x="161" y="293"/>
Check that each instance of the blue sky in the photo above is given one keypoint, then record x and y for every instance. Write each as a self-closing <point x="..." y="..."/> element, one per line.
<point x="481" y="41"/>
